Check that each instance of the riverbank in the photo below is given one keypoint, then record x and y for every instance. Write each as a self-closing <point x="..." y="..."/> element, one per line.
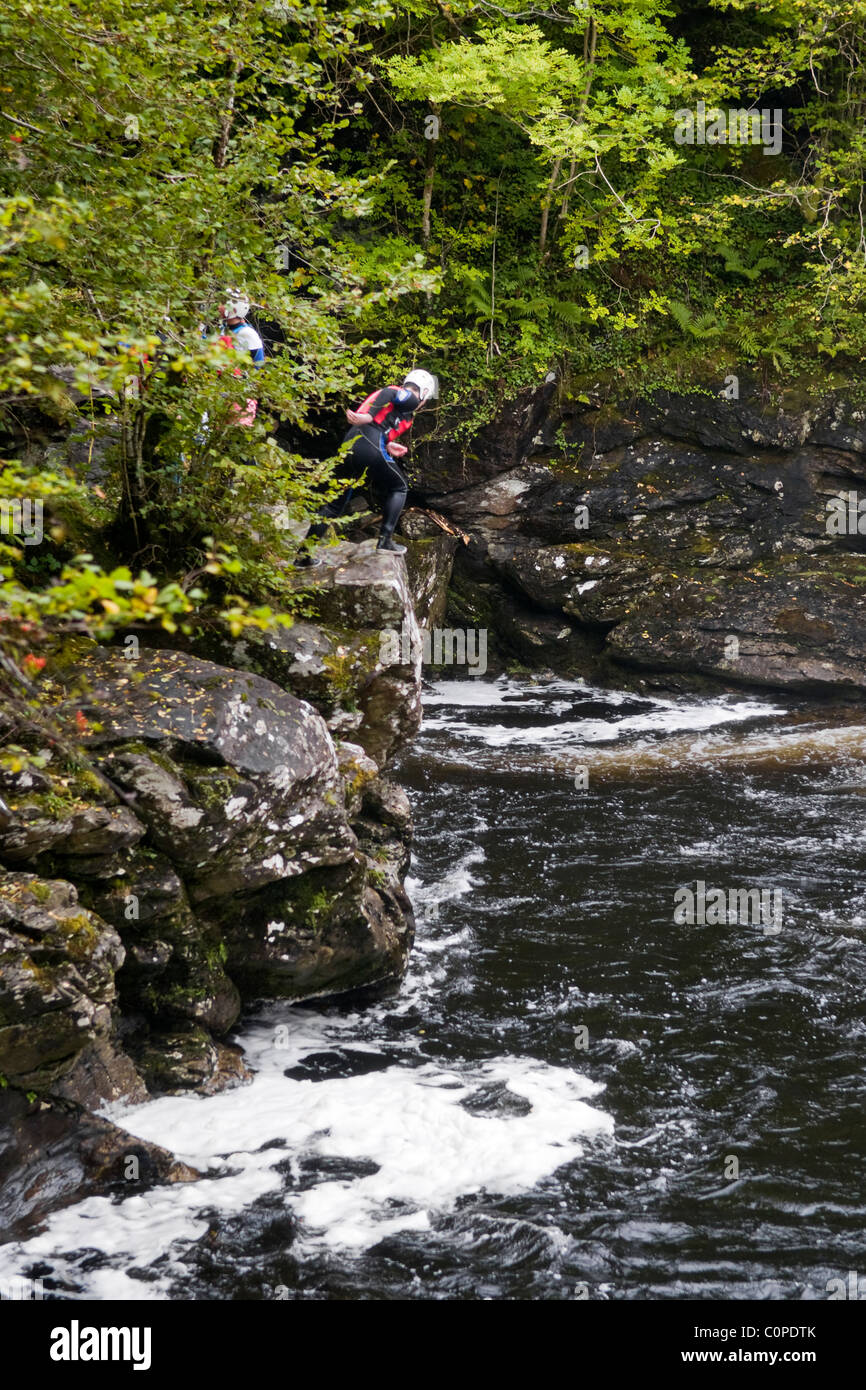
<point x="549" y="1105"/>
<point x="232" y="835"/>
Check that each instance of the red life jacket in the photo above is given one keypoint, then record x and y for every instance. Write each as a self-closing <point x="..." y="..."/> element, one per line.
<point x="381" y="415"/>
<point x="248" y="415"/>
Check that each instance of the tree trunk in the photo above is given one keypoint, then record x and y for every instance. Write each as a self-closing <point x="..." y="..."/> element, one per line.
<point x="225" y="128"/>
<point x="545" y="209"/>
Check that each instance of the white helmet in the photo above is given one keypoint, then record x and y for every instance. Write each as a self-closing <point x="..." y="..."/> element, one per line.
<point x="425" y="384"/>
<point x="236" y="306"/>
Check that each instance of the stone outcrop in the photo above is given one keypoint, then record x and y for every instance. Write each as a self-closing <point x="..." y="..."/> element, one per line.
<point x="228" y="835"/>
<point x="55" y="1152"/>
<point x="677" y="537"/>
<point x="58" y="964"/>
<point x="337" y="656"/>
<point x="251" y="855"/>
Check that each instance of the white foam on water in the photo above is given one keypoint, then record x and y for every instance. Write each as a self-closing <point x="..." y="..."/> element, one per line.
<point x="580" y="731"/>
<point x="663" y="717"/>
<point x="478" y="692"/>
<point x="455" y="884"/>
<point x="431" y="1150"/>
<point x="408" y="1119"/>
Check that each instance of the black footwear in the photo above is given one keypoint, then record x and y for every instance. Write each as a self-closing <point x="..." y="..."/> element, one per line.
<point x="388" y="544"/>
<point x="307" y="561"/>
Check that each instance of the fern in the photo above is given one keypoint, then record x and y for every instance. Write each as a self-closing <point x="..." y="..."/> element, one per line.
<point x="478" y="300"/>
<point x="706" y="326"/>
<point x="567" y="312"/>
<point x="734" y="265"/>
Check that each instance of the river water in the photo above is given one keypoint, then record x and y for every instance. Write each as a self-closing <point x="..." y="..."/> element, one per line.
<point x="573" y="1094"/>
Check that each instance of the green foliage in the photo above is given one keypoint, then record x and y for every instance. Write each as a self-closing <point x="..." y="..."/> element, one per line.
<point x="487" y="191"/>
<point x="704" y="326"/>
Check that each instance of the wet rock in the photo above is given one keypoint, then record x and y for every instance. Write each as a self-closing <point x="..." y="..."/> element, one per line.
<point x="57" y="980"/>
<point x="683" y="534"/>
<point x="103" y="1072"/>
<point x="331" y="931"/>
<point x="187" y="1058"/>
<point x="54" y="1154"/>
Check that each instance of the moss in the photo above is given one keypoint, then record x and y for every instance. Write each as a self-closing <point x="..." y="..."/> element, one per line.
<point x="213" y="787"/>
<point x="356" y="785"/>
<point x="702" y="544"/>
<point x="50" y="805"/>
<point x="216" y="956"/>
<point x="312" y="902"/>
<point x="43" y="978"/>
<point x="91" y="782"/>
<point x="469" y="605"/>
<point x="70" y="652"/>
<point x="349" y="664"/>
<point x="82" y="937"/>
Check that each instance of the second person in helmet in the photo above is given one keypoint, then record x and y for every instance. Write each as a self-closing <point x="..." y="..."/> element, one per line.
<point x="375" y="429"/>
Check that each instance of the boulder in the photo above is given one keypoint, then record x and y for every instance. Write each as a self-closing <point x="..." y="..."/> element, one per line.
<point x="53" y="1154"/>
<point x="250" y="817"/>
<point x="236" y="780"/>
<point x="57" y="987"/>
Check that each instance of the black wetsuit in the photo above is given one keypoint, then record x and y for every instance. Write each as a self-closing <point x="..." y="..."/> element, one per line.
<point x="393" y="408"/>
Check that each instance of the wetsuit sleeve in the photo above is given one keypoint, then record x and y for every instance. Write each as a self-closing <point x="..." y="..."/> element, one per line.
<point x="386" y="396"/>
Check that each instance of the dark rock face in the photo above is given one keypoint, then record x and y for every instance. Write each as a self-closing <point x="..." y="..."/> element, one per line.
<point x="442" y="468"/>
<point x="430" y="560"/>
<point x="239" y="848"/>
<point x="57" y="980"/>
<point x="55" y="1153"/>
<point x="683" y="534"/>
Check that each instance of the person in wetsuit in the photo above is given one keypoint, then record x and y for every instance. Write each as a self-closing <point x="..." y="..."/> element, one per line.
<point x="375" y="429"/>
